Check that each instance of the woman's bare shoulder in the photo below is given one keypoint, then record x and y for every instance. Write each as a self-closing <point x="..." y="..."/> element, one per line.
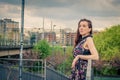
<point x="89" y="39"/>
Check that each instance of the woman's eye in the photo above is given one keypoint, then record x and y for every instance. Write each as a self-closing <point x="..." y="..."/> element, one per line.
<point x="84" y="26"/>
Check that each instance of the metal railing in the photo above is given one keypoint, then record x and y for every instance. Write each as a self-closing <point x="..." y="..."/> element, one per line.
<point x="36" y="69"/>
<point x="89" y="70"/>
<point x="32" y="69"/>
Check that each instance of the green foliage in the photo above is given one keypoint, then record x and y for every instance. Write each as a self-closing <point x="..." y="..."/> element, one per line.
<point x="108" y="46"/>
<point x="69" y="60"/>
<point x="56" y="49"/>
<point x="108" y="42"/>
<point x="0" y="36"/>
<point x="43" y="48"/>
<point x="108" y="70"/>
<point x="65" y="67"/>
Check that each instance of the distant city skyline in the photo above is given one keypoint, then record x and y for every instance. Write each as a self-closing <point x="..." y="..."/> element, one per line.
<point x="63" y="13"/>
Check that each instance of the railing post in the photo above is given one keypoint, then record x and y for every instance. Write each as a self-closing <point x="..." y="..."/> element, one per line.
<point x="21" y="41"/>
<point x="88" y="74"/>
<point x="45" y="69"/>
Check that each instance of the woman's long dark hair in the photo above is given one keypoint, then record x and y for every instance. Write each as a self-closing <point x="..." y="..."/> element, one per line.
<point x="78" y="36"/>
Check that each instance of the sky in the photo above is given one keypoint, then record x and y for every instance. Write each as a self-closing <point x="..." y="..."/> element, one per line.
<point x="63" y="13"/>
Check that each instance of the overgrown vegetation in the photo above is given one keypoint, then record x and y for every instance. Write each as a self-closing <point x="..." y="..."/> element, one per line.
<point x="43" y="49"/>
<point x="108" y="46"/>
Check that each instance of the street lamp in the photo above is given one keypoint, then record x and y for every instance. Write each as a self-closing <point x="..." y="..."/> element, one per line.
<point x="42" y="33"/>
<point x="60" y="36"/>
<point x="53" y="40"/>
<point x="64" y="50"/>
<point x="53" y="35"/>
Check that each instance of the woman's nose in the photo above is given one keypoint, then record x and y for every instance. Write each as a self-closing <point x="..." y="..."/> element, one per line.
<point x="81" y="28"/>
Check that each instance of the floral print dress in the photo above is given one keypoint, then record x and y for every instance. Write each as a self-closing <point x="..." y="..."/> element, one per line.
<point x="79" y="72"/>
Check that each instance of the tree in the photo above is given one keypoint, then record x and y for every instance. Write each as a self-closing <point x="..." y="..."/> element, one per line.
<point x="43" y="48"/>
<point x="108" y="45"/>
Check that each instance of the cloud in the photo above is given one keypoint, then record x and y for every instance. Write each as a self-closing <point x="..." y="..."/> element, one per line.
<point x="60" y="8"/>
<point x="10" y="11"/>
<point x="97" y="8"/>
<point x="64" y="13"/>
<point x="13" y="2"/>
<point x="116" y="2"/>
<point x="69" y="9"/>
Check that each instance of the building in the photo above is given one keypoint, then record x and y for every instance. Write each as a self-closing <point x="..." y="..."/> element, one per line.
<point x="69" y="38"/>
<point x="2" y="28"/>
<point x="9" y="30"/>
<point x="63" y="37"/>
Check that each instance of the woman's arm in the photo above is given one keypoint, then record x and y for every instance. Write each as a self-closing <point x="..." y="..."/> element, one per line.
<point x="92" y="48"/>
<point x="94" y="54"/>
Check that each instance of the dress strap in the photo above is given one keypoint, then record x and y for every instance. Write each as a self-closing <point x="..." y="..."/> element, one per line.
<point x="86" y="37"/>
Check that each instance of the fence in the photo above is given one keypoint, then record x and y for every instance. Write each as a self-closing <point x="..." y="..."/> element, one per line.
<point x="32" y="69"/>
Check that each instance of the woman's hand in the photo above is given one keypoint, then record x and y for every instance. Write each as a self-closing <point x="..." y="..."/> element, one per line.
<point x="75" y="60"/>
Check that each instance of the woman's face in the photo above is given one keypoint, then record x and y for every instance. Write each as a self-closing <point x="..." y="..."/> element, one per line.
<point x="84" y="28"/>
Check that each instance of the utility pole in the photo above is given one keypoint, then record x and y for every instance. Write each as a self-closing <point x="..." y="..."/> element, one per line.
<point x="51" y="26"/>
<point x="60" y="36"/>
<point x="51" y="35"/>
<point x="21" y="40"/>
<point x="64" y="56"/>
<point x="54" y="34"/>
<point x="43" y="34"/>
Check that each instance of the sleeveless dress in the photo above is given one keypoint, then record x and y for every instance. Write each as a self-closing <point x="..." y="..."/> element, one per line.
<point x="79" y="72"/>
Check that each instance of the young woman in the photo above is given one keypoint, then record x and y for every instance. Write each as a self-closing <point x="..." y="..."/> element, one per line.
<point x="84" y="49"/>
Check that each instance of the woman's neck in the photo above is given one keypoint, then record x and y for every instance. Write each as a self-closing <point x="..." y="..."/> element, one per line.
<point x="85" y="35"/>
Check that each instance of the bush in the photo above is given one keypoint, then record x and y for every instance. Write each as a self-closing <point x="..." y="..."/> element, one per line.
<point x="43" y="48"/>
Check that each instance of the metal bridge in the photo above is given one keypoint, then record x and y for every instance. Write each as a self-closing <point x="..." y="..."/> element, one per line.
<point x="13" y="50"/>
<point x="8" y="48"/>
